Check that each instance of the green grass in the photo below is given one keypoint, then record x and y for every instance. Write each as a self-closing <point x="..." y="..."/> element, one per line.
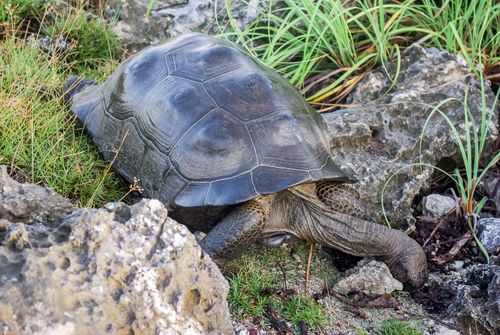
<point x="324" y="47"/>
<point x="92" y="42"/>
<point x="37" y="133"/>
<point x="392" y="326"/>
<point x="261" y="277"/>
<point x="13" y="11"/>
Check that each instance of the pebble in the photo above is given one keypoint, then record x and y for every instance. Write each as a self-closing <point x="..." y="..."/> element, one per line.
<point x="437" y="205"/>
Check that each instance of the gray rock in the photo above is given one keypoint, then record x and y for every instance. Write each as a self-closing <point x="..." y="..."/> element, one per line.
<point x="437" y="205"/>
<point x="119" y="269"/>
<point x="475" y="291"/>
<point x="490" y="234"/>
<point x="370" y="277"/>
<point x="136" y="29"/>
<point x="442" y="330"/>
<point x="382" y="134"/>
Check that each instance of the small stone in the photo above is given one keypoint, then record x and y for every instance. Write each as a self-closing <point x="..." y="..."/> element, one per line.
<point x="437" y="205"/>
<point x="457" y="265"/>
<point x="442" y="330"/>
<point x="490" y="234"/>
<point x="370" y="277"/>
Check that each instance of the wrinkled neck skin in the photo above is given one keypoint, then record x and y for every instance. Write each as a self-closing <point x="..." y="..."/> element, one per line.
<point x="299" y="212"/>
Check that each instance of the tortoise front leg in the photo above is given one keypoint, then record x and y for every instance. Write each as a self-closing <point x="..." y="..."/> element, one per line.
<point x="342" y="200"/>
<point x="349" y="228"/>
<point x="237" y="229"/>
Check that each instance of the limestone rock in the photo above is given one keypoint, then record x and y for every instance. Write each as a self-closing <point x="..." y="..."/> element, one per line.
<point x="437" y="205"/>
<point x="490" y="234"/>
<point x="475" y="292"/>
<point x="114" y="270"/>
<point x="381" y="133"/>
<point x="372" y="278"/>
<point x="442" y="330"/>
<point x="142" y="22"/>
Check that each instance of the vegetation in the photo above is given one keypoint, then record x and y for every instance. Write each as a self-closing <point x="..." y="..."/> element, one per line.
<point x="92" y="41"/>
<point x="323" y="46"/>
<point x="38" y="137"/>
<point x="253" y="284"/>
<point x="392" y="326"/>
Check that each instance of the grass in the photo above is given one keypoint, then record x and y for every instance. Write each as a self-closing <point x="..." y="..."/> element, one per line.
<point x="38" y="137"/>
<point x="262" y="277"/>
<point x="392" y="326"/>
<point x="471" y="141"/>
<point x="92" y="41"/>
<point x="325" y="47"/>
<point x="322" y="46"/>
<point x="13" y="11"/>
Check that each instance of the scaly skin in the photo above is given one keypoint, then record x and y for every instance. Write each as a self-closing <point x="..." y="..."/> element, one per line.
<point x="324" y="213"/>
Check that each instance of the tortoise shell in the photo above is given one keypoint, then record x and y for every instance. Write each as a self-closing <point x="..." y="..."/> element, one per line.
<point x="202" y="123"/>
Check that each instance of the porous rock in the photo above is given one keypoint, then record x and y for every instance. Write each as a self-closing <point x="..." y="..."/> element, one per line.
<point x="380" y="134"/>
<point x="437" y="205"/>
<point x="142" y="22"/>
<point x="475" y="291"/>
<point x="370" y="277"/>
<point x="490" y="234"/>
<point x="116" y="270"/>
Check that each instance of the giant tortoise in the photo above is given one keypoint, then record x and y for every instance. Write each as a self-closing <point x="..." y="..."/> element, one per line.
<point x="233" y="149"/>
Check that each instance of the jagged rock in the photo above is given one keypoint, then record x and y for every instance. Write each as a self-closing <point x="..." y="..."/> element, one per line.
<point x="475" y="292"/>
<point x="370" y="277"/>
<point x="381" y="135"/>
<point x="490" y="234"/>
<point x="114" y="270"/>
<point x="136" y="29"/>
<point x="437" y="205"/>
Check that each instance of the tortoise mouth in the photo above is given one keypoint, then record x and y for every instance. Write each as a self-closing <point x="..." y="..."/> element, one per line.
<point x="276" y="239"/>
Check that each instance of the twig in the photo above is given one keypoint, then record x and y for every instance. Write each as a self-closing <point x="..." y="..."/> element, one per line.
<point x="280" y="325"/>
<point x="439" y="224"/>
<point x="308" y="267"/>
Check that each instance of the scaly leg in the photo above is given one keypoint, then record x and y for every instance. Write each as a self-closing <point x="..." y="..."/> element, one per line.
<point x="342" y="200"/>
<point x="237" y="229"/>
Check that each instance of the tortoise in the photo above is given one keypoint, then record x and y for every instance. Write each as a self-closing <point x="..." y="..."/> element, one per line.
<point x="232" y="148"/>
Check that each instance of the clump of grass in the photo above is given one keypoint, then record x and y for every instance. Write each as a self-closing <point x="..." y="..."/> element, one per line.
<point x="93" y="43"/>
<point x="301" y="308"/>
<point x="324" y="47"/>
<point x="257" y="280"/>
<point x="37" y="134"/>
<point x="392" y="326"/>
<point x="12" y="11"/>
<point x="246" y="289"/>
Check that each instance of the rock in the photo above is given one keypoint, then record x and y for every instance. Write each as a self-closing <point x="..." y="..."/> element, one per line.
<point x="490" y="234"/>
<point x="381" y="134"/>
<point x="490" y="186"/>
<point x="370" y="277"/>
<point x="119" y="269"/>
<point x="475" y="291"/>
<point x="136" y="29"/>
<point x="442" y="330"/>
<point x="437" y="205"/>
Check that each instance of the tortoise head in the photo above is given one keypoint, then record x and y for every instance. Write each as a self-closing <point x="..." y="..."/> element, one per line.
<point x="74" y="85"/>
